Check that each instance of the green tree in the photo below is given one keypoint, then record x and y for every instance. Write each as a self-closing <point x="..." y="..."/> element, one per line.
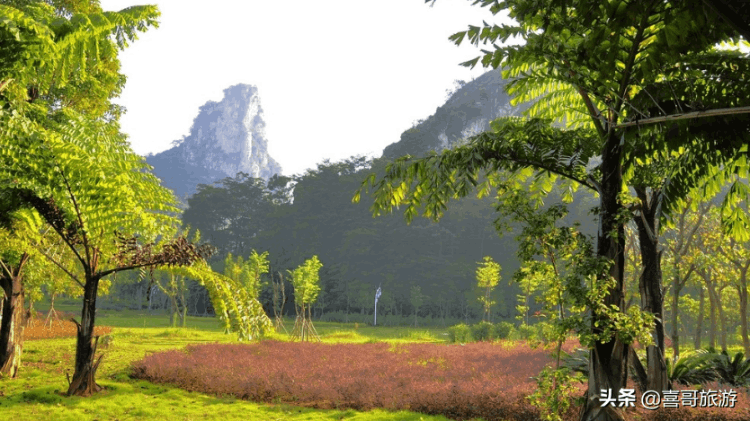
<point x="257" y="265"/>
<point x="63" y="154"/>
<point x="488" y="276"/>
<point x="232" y="211"/>
<point x="737" y="254"/>
<point x="174" y="286"/>
<point x="13" y="260"/>
<point x="681" y="246"/>
<point x="236" y="309"/>
<point x="598" y="72"/>
<point x="714" y="271"/>
<point x="306" y="282"/>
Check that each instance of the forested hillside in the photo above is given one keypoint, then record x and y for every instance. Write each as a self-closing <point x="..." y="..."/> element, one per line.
<point x="296" y="217"/>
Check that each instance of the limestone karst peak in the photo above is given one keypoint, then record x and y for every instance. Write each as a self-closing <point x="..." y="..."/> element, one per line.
<point x="226" y="137"/>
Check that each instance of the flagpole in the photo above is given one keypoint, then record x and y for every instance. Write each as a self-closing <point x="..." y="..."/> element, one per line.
<point x="377" y="295"/>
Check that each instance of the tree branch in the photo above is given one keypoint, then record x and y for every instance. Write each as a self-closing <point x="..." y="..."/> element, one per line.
<point x="51" y="259"/>
<point x="86" y="264"/>
<point x="681" y="283"/>
<point x="6" y="269"/>
<point x="686" y="116"/>
<point x="631" y="58"/>
<point x="124" y="268"/>
<point x="552" y="170"/>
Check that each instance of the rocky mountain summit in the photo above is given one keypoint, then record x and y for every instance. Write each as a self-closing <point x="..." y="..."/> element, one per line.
<point x="468" y="111"/>
<point x="227" y="137"/>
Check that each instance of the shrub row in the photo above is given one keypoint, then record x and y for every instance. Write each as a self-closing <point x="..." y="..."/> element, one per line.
<point x="482" y="331"/>
<point x="386" y="320"/>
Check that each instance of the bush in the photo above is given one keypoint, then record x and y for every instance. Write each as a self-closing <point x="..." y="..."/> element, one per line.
<point x="732" y="370"/>
<point x="460" y="333"/>
<point x="483" y="331"/>
<point x="692" y="369"/>
<point x="502" y="330"/>
<point x="527" y="332"/>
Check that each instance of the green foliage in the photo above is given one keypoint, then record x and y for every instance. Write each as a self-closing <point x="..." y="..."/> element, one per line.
<point x="555" y="392"/>
<point x="305" y="280"/>
<point x="732" y="370"/>
<point x="526" y="332"/>
<point x="502" y="330"/>
<point x="488" y="276"/>
<point x="692" y="369"/>
<point x="483" y="331"/>
<point x="236" y="309"/>
<point x="460" y="333"/>
<point x="57" y="149"/>
<point x="247" y="272"/>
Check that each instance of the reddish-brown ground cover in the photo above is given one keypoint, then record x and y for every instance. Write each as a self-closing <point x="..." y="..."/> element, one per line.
<point x="458" y="381"/>
<point x="61" y="328"/>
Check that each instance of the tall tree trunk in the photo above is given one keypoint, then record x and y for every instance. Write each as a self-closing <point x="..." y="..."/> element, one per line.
<point x="83" y="382"/>
<point x="184" y="312"/>
<point x="608" y="362"/>
<point x="174" y="310"/>
<point x="650" y="286"/>
<point x="712" y="315"/>
<point x="742" y="290"/>
<point x="674" y="315"/>
<point x="11" y="329"/>
<point x="699" y="325"/>
<point x="11" y="332"/>
<point x="722" y="321"/>
<point x="713" y="303"/>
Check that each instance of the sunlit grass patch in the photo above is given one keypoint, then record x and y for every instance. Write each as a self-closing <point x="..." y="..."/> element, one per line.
<point x="36" y="393"/>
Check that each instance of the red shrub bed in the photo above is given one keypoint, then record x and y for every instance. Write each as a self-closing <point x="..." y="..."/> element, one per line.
<point x="478" y="379"/>
<point x="458" y="381"/>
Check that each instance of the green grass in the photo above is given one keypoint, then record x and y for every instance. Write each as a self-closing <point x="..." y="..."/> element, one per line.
<point x="36" y="394"/>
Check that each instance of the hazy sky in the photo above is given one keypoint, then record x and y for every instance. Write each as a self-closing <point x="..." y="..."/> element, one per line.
<point x="336" y="78"/>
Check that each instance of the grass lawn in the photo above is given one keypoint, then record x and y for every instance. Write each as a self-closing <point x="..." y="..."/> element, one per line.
<point x="35" y="394"/>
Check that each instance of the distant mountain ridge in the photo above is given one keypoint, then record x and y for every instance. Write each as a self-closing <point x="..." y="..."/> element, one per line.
<point x="227" y="137"/>
<point x="468" y="111"/>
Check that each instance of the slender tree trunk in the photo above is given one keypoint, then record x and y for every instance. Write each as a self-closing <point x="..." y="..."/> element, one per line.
<point x="650" y="286"/>
<point x="83" y="382"/>
<point x="713" y="306"/>
<point x="184" y="311"/>
<point x="699" y="325"/>
<point x="742" y="290"/>
<point x="722" y="321"/>
<point x="608" y="362"/>
<point x="712" y="315"/>
<point x="675" y="326"/>
<point x="13" y="323"/>
<point x="175" y="310"/>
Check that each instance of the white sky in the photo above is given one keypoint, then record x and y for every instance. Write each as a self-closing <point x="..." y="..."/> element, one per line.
<point x="336" y="78"/>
